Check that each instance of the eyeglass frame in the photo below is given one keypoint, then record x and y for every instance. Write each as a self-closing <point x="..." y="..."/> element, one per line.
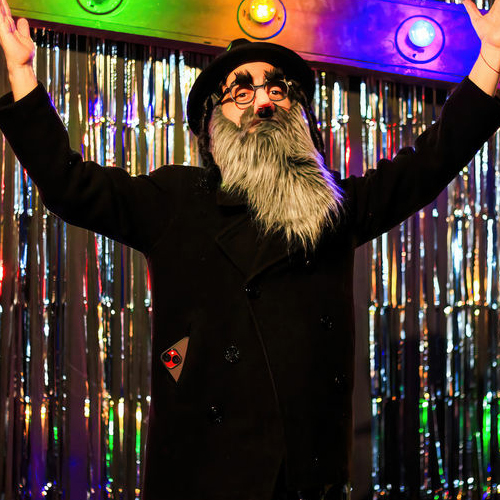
<point x="288" y="85"/>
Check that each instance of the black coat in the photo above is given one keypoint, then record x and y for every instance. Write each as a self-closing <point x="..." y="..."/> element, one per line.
<point x="269" y="368"/>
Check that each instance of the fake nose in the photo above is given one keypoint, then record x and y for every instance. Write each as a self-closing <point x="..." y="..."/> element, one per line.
<point x="265" y="111"/>
<point x="263" y="106"/>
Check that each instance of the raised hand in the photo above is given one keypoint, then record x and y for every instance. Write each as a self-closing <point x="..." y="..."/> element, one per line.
<point x="487" y="26"/>
<point x="15" y="39"/>
<point x="486" y="71"/>
<point x="19" y="51"/>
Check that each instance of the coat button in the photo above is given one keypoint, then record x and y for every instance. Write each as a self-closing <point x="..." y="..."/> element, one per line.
<point x="339" y="379"/>
<point x="309" y="266"/>
<point x="215" y="414"/>
<point x="232" y="354"/>
<point x="326" y="322"/>
<point x="252" y="291"/>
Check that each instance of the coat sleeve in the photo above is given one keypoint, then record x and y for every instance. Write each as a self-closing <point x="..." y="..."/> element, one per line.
<point x="106" y="200"/>
<point x="398" y="188"/>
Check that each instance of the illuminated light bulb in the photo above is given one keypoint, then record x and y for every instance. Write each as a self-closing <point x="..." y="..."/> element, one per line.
<point x="422" y="33"/>
<point x="262" y="11"/>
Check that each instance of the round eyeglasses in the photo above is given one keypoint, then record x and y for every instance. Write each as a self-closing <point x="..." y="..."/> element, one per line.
<point x="244" y="93"/>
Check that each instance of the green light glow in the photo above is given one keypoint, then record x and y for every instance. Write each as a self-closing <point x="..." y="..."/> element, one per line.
<point x="168" y="20"/>
<point x="138" y="419"/>
<point x="100" y="6"/>
<point x="424" y="415"/>
<point x="111" y="429"/>
<point x="486" y="426"/>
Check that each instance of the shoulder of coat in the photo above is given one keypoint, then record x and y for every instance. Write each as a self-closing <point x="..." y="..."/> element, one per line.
<point x="182" y="178"/>
<point x="176" y="170"/>
<point x="179" y="174"/>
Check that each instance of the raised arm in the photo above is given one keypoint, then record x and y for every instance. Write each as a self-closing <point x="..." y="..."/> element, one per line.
<point x="19" y="51"/>
<point x="107" y="200"/>
<point x="486" y="71"/>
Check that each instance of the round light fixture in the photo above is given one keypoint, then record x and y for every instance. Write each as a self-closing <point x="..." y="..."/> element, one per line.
<point x="261" y="19"/>
<point x="99" y="7"/>
<point x="422" y="33"/>
<point x="420" y="39"/>
<point x="262" y="11"/>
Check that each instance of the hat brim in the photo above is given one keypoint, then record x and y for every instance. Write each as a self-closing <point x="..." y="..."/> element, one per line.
<point x="207" y="83"/>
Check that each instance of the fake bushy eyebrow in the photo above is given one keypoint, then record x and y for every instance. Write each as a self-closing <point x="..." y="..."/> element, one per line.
<point x="242" y="78"/>
<point x="245" y="78"/>
<point x="274" y="74"/>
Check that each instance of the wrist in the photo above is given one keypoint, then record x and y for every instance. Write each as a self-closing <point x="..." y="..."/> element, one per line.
<point x="491" y="57"/>
<point x="22" y="80"/>
<point x="17" y="72"/>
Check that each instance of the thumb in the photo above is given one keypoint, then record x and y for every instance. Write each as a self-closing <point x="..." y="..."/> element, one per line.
<point x="23" y="27"/>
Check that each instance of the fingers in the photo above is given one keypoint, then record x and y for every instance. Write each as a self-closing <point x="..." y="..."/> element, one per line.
<point x="23" y="27"/>
<point x="7" y="24"/>
<point x="6" y="17"/>
<point x="4" y="6"/>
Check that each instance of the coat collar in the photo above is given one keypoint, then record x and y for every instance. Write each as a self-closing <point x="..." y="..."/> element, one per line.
<point x="225" y="198"/>
<point x="242" y="242"/>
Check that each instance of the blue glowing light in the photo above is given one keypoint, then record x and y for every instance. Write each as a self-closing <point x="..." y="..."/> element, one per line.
<point x="422" y="33"/>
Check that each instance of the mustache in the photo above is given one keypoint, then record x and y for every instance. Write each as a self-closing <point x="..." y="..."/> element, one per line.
<point x="249" y="119"/>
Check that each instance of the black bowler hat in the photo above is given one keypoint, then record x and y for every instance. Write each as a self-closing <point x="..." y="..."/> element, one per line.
<point x="242" y="51"/>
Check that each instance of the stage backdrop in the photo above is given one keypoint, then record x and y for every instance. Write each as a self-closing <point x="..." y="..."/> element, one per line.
<point x="75" y="307"/>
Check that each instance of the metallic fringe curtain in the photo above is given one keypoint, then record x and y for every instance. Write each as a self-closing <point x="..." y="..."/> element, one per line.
<point x="433" y="334"/>
<point x="75" y="307"/>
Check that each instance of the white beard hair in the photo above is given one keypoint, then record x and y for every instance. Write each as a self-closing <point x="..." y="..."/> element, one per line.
<point x="277" y="167"/>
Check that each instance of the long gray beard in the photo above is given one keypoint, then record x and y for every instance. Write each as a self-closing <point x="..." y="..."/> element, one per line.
<point x="277" y="167"/>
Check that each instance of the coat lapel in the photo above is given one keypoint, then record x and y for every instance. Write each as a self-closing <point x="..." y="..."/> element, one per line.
<point x="241" y="241"/>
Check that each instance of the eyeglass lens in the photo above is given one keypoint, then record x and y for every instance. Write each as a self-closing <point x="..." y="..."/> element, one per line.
<point x="245" y="93"/>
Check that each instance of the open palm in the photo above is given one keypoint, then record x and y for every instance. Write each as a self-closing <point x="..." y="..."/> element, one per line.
<point x="487" y="26"/>
<point x="15" y="39"/>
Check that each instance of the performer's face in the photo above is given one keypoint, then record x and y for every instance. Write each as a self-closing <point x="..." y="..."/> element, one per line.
<point x="265" y="99"/>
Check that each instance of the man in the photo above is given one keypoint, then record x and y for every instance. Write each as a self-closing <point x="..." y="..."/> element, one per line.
<point x="251" y="260"/>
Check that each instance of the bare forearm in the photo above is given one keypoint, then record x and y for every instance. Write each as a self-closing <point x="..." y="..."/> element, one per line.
<point x="22" y="81"/>
<point x="486" y="71"/>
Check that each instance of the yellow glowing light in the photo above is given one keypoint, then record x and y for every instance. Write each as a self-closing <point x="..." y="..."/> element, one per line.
<point x="86" y="409"/>
<point x="121" y="408"/>
<point x="262" y="11"/>
<point x="28" y="413"/>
